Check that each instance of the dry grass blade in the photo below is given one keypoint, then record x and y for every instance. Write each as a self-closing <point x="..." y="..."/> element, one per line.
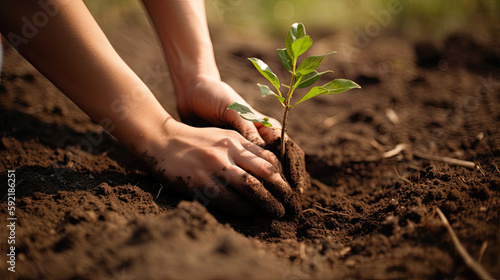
<point x="330" y="211"/>
<point x="157" y="195"/>
<point x="476" y="267"/>
<point x="401" y="177"/>
<point x="452" y="161"/>
<point x="481" y="251"/>
<point x="333" y="120"/>
<point x="398" y="149"/>
<point x="496" y="167"/>
<point x="324" y="210"/>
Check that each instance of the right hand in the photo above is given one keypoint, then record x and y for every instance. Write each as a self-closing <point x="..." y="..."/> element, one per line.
<point x="232" y="173"/>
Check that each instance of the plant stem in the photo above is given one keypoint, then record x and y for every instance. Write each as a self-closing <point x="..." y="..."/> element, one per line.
<point x="288" y="97"/>
<point x="283" y="131"/>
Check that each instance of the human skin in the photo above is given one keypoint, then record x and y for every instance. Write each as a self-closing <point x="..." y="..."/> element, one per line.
<point x="75" y="55"/>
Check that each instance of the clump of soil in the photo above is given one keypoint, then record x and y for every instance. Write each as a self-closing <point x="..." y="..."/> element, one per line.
<point x="87" y="209"/>
<point x="293" y="168"/>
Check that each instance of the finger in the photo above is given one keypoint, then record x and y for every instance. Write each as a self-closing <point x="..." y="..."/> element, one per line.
<point x="261" y="152"/>
<point x="246" y="128"/>
<point x="250" y="188"/>
<point x="267" y="172"/>
<point x="216" y="192"/>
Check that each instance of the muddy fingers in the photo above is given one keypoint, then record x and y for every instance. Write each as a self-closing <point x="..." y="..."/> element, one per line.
<point x="218" y="194"/>
<point x="252" y="189"/>
<point x="270" y="176"/>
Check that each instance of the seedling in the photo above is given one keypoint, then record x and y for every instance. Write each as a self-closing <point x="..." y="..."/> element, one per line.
<point x="303" y="75"/>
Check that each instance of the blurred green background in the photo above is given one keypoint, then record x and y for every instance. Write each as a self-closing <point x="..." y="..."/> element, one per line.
<point x="413" y="18"/>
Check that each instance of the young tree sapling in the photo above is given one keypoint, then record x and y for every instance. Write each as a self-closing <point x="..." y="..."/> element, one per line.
<point x="302" y="76"/>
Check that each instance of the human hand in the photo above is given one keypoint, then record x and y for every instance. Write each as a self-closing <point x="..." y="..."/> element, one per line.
<point x="231" y="173"/>
<point x="205" y="103"/>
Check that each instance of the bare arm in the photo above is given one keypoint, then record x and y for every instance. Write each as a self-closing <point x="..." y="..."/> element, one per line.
<point x="183" y="31"/>
<point x="74" y="54"/>
<point x="201" y="95"/>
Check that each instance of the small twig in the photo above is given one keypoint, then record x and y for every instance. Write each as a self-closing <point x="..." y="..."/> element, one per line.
<point x="161" y="187"/>
<point x="481" y="251"/>
<point x="333" y="120"/>
<point x="309" y="210"/>
<point x="476" y="267"/>
<point x="376" y="144"/>
<point x="398" y="149"/>
<point x="480" y="168"/>
<point x="496" y="167"/>
<point x="400" y="177"/>
<point x="330" y="211"/>
<point x="453" y="161"/>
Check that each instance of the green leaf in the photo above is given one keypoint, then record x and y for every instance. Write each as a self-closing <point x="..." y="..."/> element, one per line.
<point x="266" y="71"/>
<point x="310" y="64"/>
<point x="297" y="31"/>
<point x="333" y="87"/>
<point x="266" y="91"/>
<point x="285" y="59"/>
<point x="309" y="79"/>
<point x="297" y="42"/>
<point x="301" y="45"/>
<point x="247" y="114"/>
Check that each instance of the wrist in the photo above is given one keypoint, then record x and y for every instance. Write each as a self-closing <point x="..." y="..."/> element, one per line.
<point x="190" y="76"/>
<point x="152" y="138"/>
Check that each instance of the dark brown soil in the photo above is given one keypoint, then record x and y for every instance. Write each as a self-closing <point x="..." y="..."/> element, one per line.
<point x="87" y="209"/>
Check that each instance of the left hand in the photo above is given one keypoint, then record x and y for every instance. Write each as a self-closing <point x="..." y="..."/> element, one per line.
<point x="205" y="103"/>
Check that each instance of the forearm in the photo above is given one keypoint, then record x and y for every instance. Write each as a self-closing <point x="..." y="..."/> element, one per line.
<point x="74" y="54"/>
<point x="183" y="32"/>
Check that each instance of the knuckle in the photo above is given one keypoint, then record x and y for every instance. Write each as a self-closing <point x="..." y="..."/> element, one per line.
<point x="231" y="134"/>
<point x="265" y="170"/>
<point x="269" y="156"/>
<point x="228" y="139"/>
<point x="210" y="155"/>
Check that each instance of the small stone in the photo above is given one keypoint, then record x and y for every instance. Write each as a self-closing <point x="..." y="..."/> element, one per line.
<point x="480" y="136"/>
<point x="350" y="263"/>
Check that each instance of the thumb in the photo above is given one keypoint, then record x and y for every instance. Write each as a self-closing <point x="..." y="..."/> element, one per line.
<point x="267" y="133"/>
